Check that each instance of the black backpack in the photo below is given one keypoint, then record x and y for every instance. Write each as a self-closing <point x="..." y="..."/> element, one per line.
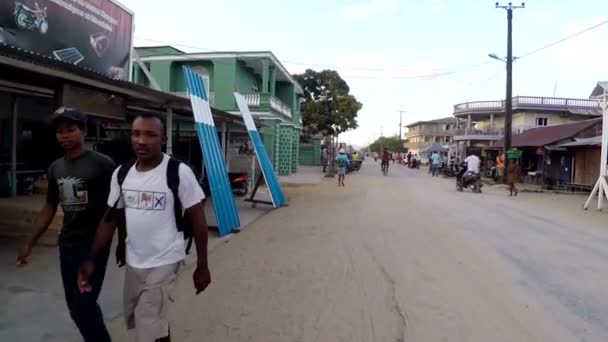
<point x="182" y="222"/>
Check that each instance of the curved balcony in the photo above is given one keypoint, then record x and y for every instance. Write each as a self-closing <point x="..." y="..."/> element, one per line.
<point x="479" y="134"/>
<point x="576" y="106"/>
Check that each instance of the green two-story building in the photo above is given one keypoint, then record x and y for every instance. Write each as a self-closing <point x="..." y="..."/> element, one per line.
<point x="271" y="92"/>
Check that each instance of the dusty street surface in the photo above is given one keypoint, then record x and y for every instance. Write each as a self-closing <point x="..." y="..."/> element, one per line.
<point x="404" y="258"/>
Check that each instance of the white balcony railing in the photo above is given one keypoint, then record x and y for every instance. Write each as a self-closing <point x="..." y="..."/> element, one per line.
<point x="268" y="102"/>
<point x="252" y="100"/>
<point x="278" y="106"/>
<point x="527" y="102"/>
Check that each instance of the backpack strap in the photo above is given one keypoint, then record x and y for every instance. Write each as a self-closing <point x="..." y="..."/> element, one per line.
<point x="173" y="184"/>
<point x="120" y="177"/>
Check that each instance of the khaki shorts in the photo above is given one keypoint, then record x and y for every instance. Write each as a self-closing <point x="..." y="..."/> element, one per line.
<point x="500" y="171"/>
<point x="148" y="295"/>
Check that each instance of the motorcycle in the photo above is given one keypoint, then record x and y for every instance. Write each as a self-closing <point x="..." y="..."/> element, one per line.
<point x="449" y="171"/>
<point x="31" y="19"/>
<point x="238" y="182"/>
<point x="467" y="179"/>
<point x="355" y="165"/>
<point x="415" y="164"/>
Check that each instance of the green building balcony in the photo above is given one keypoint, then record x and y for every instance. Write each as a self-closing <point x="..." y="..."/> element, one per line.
<point x="263" y="102"/>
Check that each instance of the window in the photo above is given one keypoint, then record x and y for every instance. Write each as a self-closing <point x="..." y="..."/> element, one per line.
<point x="541" y="122"/>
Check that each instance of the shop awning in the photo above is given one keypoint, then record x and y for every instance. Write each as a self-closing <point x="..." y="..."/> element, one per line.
<point x="25" y="72"/>
<point x="53" y="70"/>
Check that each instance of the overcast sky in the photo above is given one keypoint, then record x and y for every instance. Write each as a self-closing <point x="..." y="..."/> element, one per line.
<point x="381" y="46"/>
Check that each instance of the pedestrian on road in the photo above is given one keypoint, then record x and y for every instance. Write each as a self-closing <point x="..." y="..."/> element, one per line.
<point x="324" y="158"/>
<point x="436" y="163"/>
<point x="500" y="167"/>
<point x="343" y="162"/>
<point x="155" y="227"/>
<point x="409" y="158"/>
<point x="80" y="181"/>
<point x="513" y="176"/>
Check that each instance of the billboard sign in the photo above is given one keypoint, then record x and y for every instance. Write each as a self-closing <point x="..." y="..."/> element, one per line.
<point x="95" y="34"/>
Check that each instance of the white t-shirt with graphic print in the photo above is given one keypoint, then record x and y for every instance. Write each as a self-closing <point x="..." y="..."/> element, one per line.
<point x="152" y="236"/>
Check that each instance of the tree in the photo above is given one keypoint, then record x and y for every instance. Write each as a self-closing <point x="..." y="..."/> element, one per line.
<point x="328" y="107"/>
<point x="393" y="144"/>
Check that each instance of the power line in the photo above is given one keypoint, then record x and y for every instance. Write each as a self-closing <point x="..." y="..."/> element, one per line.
<point x="565" y="39"/>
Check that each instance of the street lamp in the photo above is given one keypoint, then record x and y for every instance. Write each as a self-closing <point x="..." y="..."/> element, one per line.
<point x="494" y="56"/>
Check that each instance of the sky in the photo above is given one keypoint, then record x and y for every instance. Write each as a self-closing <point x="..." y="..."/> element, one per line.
<point x="419" y="56"/>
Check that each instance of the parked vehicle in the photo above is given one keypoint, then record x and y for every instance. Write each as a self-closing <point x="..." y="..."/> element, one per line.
<point x="238" y="182"/>
<point x="355" y="165"/>
<point x="466" y="180"/>
<point x="31" y="19"/>
<point x="449" y="170"/>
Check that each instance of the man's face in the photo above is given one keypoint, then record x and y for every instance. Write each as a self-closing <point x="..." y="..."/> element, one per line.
<point x="69" y="135"/>
<point x="147" y="137"/>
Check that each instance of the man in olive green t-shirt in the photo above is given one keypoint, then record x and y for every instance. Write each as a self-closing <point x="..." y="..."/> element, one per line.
<point x="80" y="181"/>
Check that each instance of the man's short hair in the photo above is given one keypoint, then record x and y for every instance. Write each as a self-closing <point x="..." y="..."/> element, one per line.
<point x="146" y="115"/>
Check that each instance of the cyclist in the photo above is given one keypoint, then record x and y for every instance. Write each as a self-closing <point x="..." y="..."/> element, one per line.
<point x="385" y="159"/>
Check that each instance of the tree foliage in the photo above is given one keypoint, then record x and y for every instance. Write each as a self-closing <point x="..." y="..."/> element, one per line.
<point x="393" y="144"/>
<point x="328" y="106"/>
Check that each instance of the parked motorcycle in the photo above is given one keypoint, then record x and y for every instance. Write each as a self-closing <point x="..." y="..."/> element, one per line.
<point x="31" y="19"/>
<point x="355" y="165"/>
<point x="466" y="180"/>
<point x="449" y="170"/>
<point x="238" y="182"/>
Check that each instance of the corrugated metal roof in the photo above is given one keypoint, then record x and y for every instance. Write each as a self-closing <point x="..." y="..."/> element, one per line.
<point x="595" y="141"/>
<point x="600" y="89"/>
<point x="548" y="135"/>
<point x="49" y="62"/>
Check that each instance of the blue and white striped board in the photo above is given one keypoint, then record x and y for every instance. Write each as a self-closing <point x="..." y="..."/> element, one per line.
<point x="272" y="181"/>
<point x="223" y="201"/>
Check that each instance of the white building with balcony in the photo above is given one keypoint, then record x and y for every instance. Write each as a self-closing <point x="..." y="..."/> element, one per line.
<point x="481" y="123"/>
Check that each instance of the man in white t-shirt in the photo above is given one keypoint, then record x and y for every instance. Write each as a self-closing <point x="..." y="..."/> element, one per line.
<point x="154" y="246"/>
<point x="472" y="162"/>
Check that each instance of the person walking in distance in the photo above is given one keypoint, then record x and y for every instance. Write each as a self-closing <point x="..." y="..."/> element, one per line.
<point x="500" y="167"/>
<point x="324" y="158"/>
<point x="513" y="176"/>
<point x="80" y="181"/>
<point x="436" y="163"/>
<point x="159" y="197"/>
<point x="343" y="162"/>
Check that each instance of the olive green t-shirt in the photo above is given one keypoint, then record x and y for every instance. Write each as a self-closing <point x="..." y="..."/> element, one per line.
<point x="82" y="186"/>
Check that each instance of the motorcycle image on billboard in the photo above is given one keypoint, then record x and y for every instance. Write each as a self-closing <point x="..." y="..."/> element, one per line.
<point x="95" y="34"/>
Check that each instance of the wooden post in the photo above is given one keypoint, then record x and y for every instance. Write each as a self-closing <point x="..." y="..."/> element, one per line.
<point x="169" y="128"/>
<point x="13" y="174"/>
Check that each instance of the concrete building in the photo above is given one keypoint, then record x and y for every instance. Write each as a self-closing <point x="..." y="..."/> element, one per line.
<point x="482" y="122"/>
<point x="271" y="92"/>
<point x="423" y="134"/>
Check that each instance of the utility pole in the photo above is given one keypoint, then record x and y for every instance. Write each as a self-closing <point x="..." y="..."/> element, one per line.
<point x="400" y="127"/>
<point x="509" y="96"/>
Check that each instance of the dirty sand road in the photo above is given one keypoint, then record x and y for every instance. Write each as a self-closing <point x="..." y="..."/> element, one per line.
<point x="403" y="258"/>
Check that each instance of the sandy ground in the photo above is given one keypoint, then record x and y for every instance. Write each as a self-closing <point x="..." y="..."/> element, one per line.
<point x="397" y="258"/>
<point x="404" y="258"/>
